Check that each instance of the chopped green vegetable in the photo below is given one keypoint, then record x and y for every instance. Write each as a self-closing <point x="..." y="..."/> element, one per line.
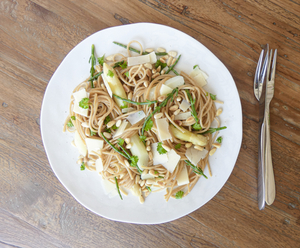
<point x="93" y="133"/>
<point x="219" y="139"/>
<point x="95" y="77"/>
<point x="157" y="109"/>
<point x="118" y="189"/>
<point x="107" y="119"/>
<point x="114" y="127"/>
<point x="110" y="73"/>
<point x="82" y="167"/>
<point x="133" y="160"/>
<point x="127" y="74"/>
<point x="194" y="113"/>
<point x="177" y="146"/>
<point x="173" y="70"/>
<point x="197" y="126"/>
<point x="70" y="124"/>
<point x="143" y="138"/>
<point x="160" y="149"/>
<point x="213" y="97"/>
<point x="161" y="64"/>
<point x="113" y="147"/>
<point x="212" y="130"/>
<point x="171" y="67"/>
<point x="156" y="172"/>
<point x="120" y="141"/>
<point x="101" y="60"/>
<point x="84" y="103"/>
<point x="149" y="189"/>
<point x="179" y="194"/>
<point x="196" y="169"/>
<point x="195" y="66"/>
<point x="73" y="117"/>
<point x="136" y="103"/>
<point x="148" y="125"/>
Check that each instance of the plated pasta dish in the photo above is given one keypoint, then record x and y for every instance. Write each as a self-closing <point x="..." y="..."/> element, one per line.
<point x="143" y="125"/>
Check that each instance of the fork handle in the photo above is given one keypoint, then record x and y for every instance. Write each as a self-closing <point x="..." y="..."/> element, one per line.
<point x="261" y="191"/>
<point x="269" y="176"/>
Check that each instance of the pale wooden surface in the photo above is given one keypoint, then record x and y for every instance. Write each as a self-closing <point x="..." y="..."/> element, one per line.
<point x="37" y="211"/>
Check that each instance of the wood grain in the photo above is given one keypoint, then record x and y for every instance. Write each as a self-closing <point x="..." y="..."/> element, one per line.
<point x="37" y="211"/>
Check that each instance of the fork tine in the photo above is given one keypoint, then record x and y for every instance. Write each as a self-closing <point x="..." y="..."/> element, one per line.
<point x="273" y="65"/>
<point x="258" y="67"/>
<point x="257" y="75"/>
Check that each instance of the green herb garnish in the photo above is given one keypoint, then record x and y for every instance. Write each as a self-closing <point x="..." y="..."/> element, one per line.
<point x="122" y="64"/>
<point x="196" y="169"/>
<point x="177" y="146"/>
<point x="107" y="130"/>
<point x="82" y="167"/>
<point x="118" y="189"/>
<point x="107" y="119"/>
<point x="120" y="141"/>
<point x="149" y="189"/>
<point x="156" y="172"/>
<point x="197" y="126"/>
<point x="219" y="139"/>
<point x="148" y="125"/>
<point x="195" y="66"/>
<point x="160" y="149"/>
<point x="70" y="124"/>
<point x="161" y="64"/>
<point x="124" y="106"/>
<point x="179" y="194"/>
<point x="93" y="133"/>
<point x="101" y="60"/>
<point x="136" y="103"/>
<point x="213" y="97"/>
<point x="143" y="138"/>
<point x="127" y="74"/>
<point x="73" y="117"/>
<point x="114" y="127"/>
<point x="110" y="73"/>
<point x="84" y="103"/>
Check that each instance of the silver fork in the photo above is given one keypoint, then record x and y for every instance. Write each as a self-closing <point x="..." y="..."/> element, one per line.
<point x="260" y="93"/>
<point x="269" y="178"/>
<point x="264" y="92"/>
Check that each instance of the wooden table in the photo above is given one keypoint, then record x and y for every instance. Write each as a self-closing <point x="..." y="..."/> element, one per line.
<point x="37" y="211"/>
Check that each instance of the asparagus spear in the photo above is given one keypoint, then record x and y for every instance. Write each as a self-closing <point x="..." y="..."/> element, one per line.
<point x="92" y="60"/>
<point x="136" y="103"/>
<point x="196" y="169"/>
<point x="196" y="139"/>
<point x="137" y="51"/>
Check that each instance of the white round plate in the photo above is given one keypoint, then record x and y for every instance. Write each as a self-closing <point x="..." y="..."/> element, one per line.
<point x="85" y="186"/>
